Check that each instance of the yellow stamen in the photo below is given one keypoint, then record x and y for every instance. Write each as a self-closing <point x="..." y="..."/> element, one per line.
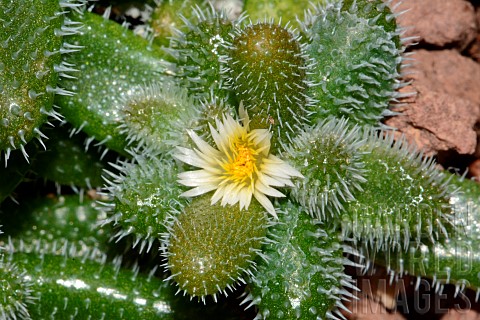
<point x="243" y="164"/>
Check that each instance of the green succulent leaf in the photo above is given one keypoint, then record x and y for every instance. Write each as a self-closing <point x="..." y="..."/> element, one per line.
<point x="405" y="198"/>
<point x="301" y="274"/>
<point x="67" y="160"/>
<point x="199" y="53"/>
<point x="54" y="224"/>
<point x="328" y="156"/>
<point x="168" y="19"/>
<point x="210" y="248"/>
<point x="356" y="74"/>
<point x="113" y="65"/>
<point x="31" y="41"/>
<point x="267" y="70"/>
<point x="457" y="260"/>
<point x="141" y="197"/>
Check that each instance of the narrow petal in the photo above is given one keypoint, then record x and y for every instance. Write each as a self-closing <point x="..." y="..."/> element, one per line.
<point x="266" y="203"/>
<point x="189" y="157"/>
<point x="202" y="145"/>
<point x="269" y="191"/>
<point x="198" y="191"/>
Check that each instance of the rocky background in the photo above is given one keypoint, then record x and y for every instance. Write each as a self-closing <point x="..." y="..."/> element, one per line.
<point x="443" y="120"/>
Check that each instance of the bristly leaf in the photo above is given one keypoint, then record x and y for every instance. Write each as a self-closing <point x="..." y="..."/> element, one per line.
<point x="357" y="69"/>
<point x="68" y="162"/>
<point x="154" y="117"/>
<point x="112" y="64"/>
<point x="457" y="260"/>
<point x="199" y="52"/>
<point x="301" y="273"/>
<point x="405" y="198"/>
<point x="167" y="19"/>
<point x="328" y="156"/>
<point x="142" y="195"/>
<point x="210" y="248"/>
<point x="267" y="70"/>
<point x="32" y="41"/>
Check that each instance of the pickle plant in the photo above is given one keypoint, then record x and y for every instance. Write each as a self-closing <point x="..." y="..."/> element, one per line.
<point x="228" y="152"/>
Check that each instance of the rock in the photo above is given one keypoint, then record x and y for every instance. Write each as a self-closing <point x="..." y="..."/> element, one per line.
<point x="449" y="23"/>
<point x="447" y="72"/>
<point x="454" y="314"/>
<point x="427" y="122"/>
<point x="474" y="169"/>
<point x="368" y="309"/>
<point x="474" y="49"/>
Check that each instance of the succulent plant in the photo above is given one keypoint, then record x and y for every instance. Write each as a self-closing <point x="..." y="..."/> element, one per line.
<point x="222" y="153"/>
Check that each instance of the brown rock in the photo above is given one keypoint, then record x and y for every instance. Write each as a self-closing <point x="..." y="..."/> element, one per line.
<point x="437" y="121"/>
<point x="474" y="49"/>
<point x="454" y="314"/>
<point x="474" y="169"/>
<point x="438" y="23"/>
<point x="447" y="72"/>
<point x="368" y="309"/>
<point x="377" y="298"/>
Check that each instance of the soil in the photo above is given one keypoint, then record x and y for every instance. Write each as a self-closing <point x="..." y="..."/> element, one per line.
<point x="443" y="120"/>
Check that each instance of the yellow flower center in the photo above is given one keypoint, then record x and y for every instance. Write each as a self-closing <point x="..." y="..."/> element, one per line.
<point x="243" y="163"/>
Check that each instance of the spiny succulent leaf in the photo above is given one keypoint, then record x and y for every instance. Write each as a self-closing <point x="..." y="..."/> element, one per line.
<point x="112" y="64"/>
<point x="16" y="292"/>
<point x="301" y="275"/>
<point x="31" y="42"/>
<point x="142" y="196"/>
<point x="50" y="222"/>
<point x="199" y="53"/>
<point x="356" y="73"/>
<point x="267" y="71"/>
<point x="210" y="248"/>
<point x="285" y="11"/>
<point x="327" y="155"/>
<point x="457" y="260"/>
<point x="154" y="117"/>
<point x="66" y="162"/>
<point x="167" y="19"/>
<point x="405" y="198"/>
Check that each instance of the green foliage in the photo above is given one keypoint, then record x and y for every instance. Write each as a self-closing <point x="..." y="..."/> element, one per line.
<point x="113" y="65"/>
<point x="167" y="19"/>
<point x="198" y="53"/>
<point x="278" y="10"/>
<point x="320" y="92"/>
<point x="357" y="66"/>
<point x="68" y="161"/>
<point x="457" y="260"/>
<point x="30" y="59"/>
<point x="386" y="218"/>
<point x="328" y="156"/>
<point x="301" y="274"/>
<point x="267" y="68"/>
<point x="211" y="247"/>
<point x="141" y="196"/>
<point x="151" y="117"/>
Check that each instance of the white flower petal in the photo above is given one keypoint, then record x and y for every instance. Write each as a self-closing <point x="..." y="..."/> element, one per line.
<point x="197" y="178"/>
<point x="204" y="147"/>
<point x="218" y="194"/>
<point x="266" y="203"/>
<point x="198" y="191"/>
<point x="245" y="196"/>
<point x="190" y="157"/>
<point x="269" y="191"/>
<point x="270" y="181"/>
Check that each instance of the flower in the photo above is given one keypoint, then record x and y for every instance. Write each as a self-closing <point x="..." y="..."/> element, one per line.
<point x="240" y="166"/>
